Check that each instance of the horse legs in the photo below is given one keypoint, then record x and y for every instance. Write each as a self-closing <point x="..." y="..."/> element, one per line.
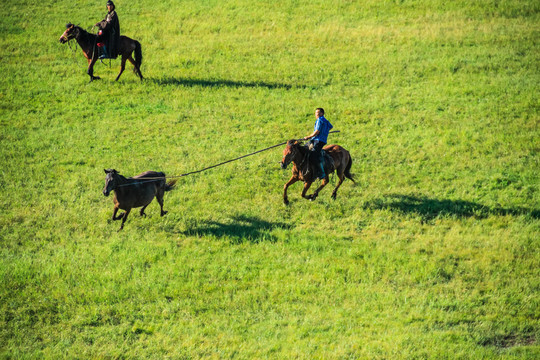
<point x="124" y="218"/>
<point x="137" y="70"/>
<point x="122" y="67"/>
<point x="306" y="187"/>
<point x="316" y="193"/>
<point x="142" y="210"/>
<point x="90" y="70"/>
<point x="341" y="178"/>
<point x="114" y="217"/>
<point x="291" y="181"/>
<point x="159" y="197"/>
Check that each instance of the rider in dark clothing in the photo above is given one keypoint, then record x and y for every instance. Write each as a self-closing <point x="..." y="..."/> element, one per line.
<point x="110" y="32"/>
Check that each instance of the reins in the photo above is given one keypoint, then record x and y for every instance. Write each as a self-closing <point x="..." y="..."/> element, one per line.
<point x="151" y="179"/>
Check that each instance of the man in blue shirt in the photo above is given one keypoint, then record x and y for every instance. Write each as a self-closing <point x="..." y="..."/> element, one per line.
<point x="318" y="139"/>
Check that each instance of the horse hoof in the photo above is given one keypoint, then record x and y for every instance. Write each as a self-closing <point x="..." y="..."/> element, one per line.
<point x="286" y="202"/>
<point x="163" y="213"/>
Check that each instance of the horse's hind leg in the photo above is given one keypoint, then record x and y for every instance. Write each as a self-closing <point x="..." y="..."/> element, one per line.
<point x="136" y="68"/>
<point x="341" y="178"/>
<point x="122" y="67"/>
<point x="159" y="198"/>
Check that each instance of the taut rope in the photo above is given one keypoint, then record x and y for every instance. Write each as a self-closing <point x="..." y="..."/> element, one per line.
<point x="149" y="179"/>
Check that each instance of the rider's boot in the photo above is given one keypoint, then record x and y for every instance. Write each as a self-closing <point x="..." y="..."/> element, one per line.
<point x="322" y="175"/>
<point x="104" y="54"/>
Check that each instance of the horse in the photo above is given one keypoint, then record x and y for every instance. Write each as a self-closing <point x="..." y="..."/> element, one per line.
<point x="136" y="191"/>
<point x="337" y="159"/>
<point x="88" y="44"/>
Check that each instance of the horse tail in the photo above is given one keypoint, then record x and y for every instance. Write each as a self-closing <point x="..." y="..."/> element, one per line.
<point x="170" y="185"/>
<point x="138" y="54"/>
<point x="348" y="170"/>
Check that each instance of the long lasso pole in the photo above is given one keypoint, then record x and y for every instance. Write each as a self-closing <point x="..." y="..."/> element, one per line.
<point x="148" y="179"/>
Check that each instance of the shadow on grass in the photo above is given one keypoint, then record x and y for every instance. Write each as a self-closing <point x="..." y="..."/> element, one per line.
<point x="223" y="83"/>
<point x="242" y="229"/>
<point x="430" y="209"/>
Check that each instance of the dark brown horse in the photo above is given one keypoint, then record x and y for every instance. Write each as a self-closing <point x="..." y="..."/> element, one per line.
<point x="88" y="44"/>
<point x="135" y="192"/>
<point x="340" y="161"/>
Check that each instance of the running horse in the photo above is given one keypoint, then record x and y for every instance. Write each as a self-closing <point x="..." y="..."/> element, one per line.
<point x="88" y="44"/>
<point x="136" y="191"/>
<point x="337" y="159"/>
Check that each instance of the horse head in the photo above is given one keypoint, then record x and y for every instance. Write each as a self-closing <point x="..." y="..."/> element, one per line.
<point x="110" y="181"/>
<point x="290" y="152"/>
<point x="71" y="32"/>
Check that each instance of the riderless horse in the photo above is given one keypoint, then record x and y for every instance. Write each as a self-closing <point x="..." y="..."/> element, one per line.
<point x="136" y="191"/>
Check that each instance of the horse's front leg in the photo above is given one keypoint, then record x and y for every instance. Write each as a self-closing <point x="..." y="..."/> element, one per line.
<point x="323" y="184"/>
<point x="142" y="210"/>
<point x="307" y="184"/>
<point x="124" y="218"/>
<point x="90" y="70"/>
<point x="291" y="181"/>
<point x="114" y="217"/>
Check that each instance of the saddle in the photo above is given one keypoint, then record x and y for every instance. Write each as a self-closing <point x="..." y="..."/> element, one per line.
<point x="105" y="53"/>
<point x="313" y="169"/>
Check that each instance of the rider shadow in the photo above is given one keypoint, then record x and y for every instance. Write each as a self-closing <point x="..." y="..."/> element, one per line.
<point x="242" y="229"/>
<point x="429" y="209"/>
<point x="223" y="83"/>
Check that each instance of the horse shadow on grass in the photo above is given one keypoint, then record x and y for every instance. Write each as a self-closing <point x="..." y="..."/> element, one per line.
<point x="241" y="229"/>
<point x="429" y="209"/>
<point x="223" y="83"/>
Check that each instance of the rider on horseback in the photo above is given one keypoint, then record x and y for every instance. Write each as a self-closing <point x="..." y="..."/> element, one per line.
<point x="109" y="33"/>
<point x="318" y="140"/>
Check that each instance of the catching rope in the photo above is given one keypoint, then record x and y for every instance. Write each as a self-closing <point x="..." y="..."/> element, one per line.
<point x="149" y="179"/>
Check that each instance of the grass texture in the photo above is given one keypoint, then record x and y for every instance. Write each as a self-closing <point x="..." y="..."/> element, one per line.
<point x="433" y="254"/>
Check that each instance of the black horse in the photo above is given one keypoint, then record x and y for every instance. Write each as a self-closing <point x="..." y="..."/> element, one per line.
<point x="88" y="44"/>
<point x="135" y="192"/>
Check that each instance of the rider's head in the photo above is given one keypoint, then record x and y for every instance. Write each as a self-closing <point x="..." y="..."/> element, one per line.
<point x="110" y="5"/>
<point x="319" y="112"/>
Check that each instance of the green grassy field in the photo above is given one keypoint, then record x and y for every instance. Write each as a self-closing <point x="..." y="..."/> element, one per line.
<point x="434" y="253"/>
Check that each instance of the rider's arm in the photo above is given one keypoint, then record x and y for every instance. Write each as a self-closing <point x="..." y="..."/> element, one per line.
<point x="315" y="133"/>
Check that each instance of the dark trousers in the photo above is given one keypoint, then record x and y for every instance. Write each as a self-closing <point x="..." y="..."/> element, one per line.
<point x="317" y="156"/>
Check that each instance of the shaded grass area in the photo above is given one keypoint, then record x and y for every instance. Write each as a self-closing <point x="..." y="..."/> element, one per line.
<point x="430" y="209"/>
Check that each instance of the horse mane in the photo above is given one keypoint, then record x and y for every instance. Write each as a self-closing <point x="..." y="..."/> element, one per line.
<point x="116" y="174"/>
<point x="82" y="34"/>
<point x="292" y="142"/>
<point x="300" y="146"/>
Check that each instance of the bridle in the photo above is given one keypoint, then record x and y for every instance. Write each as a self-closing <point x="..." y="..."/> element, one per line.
<point x="293" y="152"/>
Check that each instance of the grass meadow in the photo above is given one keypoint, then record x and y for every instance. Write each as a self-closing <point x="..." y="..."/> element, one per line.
<point x="432" y="254"/>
